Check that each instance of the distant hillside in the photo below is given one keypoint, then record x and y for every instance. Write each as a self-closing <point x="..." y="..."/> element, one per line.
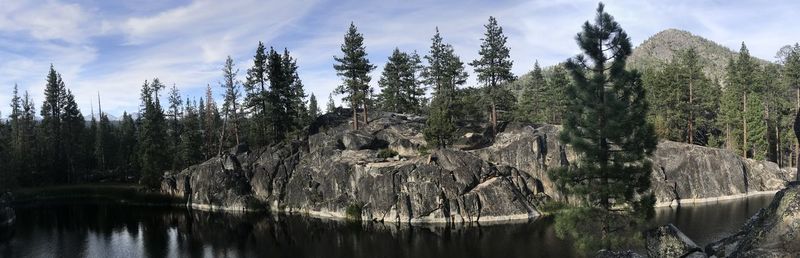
<point x="660" y="48"/>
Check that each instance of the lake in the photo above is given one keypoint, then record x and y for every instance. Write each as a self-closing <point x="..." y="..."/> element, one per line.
<point x="79" y="229"/>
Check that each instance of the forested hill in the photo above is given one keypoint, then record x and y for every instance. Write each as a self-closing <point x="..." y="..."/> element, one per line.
<point x="660" y="48"/>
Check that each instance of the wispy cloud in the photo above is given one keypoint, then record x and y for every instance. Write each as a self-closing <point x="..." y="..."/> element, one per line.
<point x="112" y="47"/>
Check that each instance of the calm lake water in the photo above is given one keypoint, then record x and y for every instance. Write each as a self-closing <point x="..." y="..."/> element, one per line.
<point x="106" y="230"/>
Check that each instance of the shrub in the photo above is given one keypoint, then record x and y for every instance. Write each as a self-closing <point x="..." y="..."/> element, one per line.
<point x="353" y="211"/>
<point x="386" y="153"/>
<point x="552" y="206"/>
<point x="424" y="150"/>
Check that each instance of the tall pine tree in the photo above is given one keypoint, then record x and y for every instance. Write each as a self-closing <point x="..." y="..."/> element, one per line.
<point x="400" y="86"/>
<point x="51" y="141"/>
<point x="257" y="99"/>
<point x="532" y="106"/>
<point x="354" y="68"/>
<point x="152" y="148"/>
<point x="494" y="66"/>
<point x="313" y="108"/>
<point x="605" y="125"/>
<point x="444" y="73"/>
<point x="230" y="108"/>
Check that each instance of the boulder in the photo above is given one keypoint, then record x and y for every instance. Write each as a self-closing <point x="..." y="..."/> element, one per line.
<point x="358" y="140"/>
<point x="668" y="241"/>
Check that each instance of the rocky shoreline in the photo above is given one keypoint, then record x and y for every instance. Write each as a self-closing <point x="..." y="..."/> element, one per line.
<point x="772" y="232"/>
<point x="336" y="172"/>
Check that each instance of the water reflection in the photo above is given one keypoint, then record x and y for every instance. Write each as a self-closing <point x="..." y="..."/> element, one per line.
<point x="705" y="223"/>
<point x="105" y="230"/>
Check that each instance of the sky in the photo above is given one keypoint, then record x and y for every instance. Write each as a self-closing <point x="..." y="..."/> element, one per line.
<point x="111" y="47"/>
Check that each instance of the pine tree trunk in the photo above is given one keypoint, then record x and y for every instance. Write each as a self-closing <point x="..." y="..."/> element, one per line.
<point x="222" y="135"/>
<point x="728" y="136"/>
<point x="355" y="117"/>
<point x="691" y="113"/>
<point x="366" y="114"/>
<point x="744" y="123"/>
<point x="778" y="154"/>
<point x="236" y="132"/>
<point x="797" y="136"/>
<point x="494" y="118"/>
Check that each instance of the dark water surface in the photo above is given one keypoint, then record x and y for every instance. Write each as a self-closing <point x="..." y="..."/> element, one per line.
<point x="107" y="230"/>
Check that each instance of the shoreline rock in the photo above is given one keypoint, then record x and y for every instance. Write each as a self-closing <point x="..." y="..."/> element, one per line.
<point x="333" y="167"/>
<point x="772" y="232"/>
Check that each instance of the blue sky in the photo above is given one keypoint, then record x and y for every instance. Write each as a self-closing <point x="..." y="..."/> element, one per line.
<point x="111" y="47"/>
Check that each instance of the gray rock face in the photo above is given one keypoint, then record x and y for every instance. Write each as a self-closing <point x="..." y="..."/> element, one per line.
<point x="772" y="232"/>
<point x="333" y="167"/>
<point x="682" y="173"/>
<point x="668" y="241"/>
<point x="688" y="173"/>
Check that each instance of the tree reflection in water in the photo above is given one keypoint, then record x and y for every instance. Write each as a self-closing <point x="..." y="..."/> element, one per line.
<point x="104" y="230"/>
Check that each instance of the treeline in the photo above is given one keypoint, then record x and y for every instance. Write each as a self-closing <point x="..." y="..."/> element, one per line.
<point x="59" y="147"/>
<point x="749" y="112"/>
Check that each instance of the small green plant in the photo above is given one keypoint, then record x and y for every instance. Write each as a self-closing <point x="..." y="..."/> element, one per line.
<point x="551" y="207"/>
<point x="353" y="211"/>
<point x="424" y="150"/>
<point x="386" y="153"/>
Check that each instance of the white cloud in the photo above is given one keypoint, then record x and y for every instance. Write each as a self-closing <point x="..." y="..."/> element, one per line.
<point x="113" y="52"/>
<point x="48" y="20"/>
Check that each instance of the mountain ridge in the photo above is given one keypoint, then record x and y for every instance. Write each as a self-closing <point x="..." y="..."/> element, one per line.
<point x="659" y="49"/>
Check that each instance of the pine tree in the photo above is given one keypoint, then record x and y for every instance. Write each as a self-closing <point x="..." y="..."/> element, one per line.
<point x="191" y="140"/>
<point x="73" y="125"/>
<point x="279" y="96"/>
<point x="211" y="124"/>
<point x="400" y="86"/>
<point x="102" y="132"/>
<point x="257" y="99"/>
<point x="5" y="142"/>
<point x="313" y="108"/>
<point x="230" y="109"/>
<point x="494" y="66"/>
<point x="51" y="142"/>
<point x="605" y="125"/>
<point x="532" y="106"/>
<point x="354" y="68"/>
<point x="174" y="130"/>
<point x="444" y="73"/>
<point x="331" y="106"/>
<point x="556" y="97"/>
<point x="15" y="143"/>
<point x="127" y="155"/>
<point x="26" y="140"/>
<point x="152" y="148"/>
<point x="740" y="82"/>
<point x="791" y="78"/>
<point x="295" y="99"/>
<point x="684" y="100"/>
<point x="776" y="109"/>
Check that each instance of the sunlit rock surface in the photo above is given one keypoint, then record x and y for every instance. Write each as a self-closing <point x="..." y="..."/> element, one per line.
<point x="482" y="178"/>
